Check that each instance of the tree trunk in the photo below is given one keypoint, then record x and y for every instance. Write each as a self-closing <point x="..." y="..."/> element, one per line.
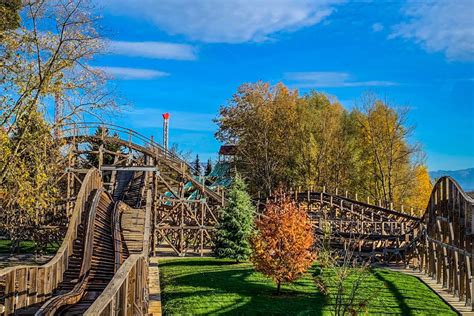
<point x="278" y="287"/>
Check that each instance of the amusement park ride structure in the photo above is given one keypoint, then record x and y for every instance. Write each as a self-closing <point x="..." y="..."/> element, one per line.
<point x="148" y="202"/>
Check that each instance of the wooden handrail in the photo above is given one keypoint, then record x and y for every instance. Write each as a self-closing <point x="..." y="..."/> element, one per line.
<point x="118" y="284"/>
<point x="140" y="143"/>
<point x="73" y="296"/>
<point x="28" y="285"/>
<point x="89" y="129"/>
<point x="118" y="260"/>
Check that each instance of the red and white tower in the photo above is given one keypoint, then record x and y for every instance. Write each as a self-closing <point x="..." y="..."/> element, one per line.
<point x="166" y="119"/>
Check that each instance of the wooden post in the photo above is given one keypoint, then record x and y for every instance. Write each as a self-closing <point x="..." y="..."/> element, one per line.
<point x="202" y="228"/>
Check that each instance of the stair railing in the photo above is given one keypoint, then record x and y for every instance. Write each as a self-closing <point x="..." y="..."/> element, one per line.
<point x="23" y="285"/>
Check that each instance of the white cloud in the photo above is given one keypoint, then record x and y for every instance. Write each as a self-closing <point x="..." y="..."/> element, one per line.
<point x="158" y="50"/>
<point x="131" y="73"/>
<point x="440" y="26"/>
<point x="321" y="79"/>
<point x="229" y="21"/>
<point x="151" y="118"/>
<point x="377" y="27"/>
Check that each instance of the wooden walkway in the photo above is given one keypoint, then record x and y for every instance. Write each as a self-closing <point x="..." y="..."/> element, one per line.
<point x="154" y="307"/>
<point x="448" y="297"/>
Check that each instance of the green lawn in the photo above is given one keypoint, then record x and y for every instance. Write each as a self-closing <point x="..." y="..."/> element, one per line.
<point x="26" y="247"/>
<point x="211" y="286"/>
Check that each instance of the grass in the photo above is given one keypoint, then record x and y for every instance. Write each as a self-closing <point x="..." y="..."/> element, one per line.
<point x="211" y="286"/>
<point x="26" y="247"/>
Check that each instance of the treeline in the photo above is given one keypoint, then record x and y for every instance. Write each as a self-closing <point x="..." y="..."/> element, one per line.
<point x="291" y="140"/>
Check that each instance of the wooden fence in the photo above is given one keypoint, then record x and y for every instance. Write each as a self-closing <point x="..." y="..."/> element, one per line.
<point x="23" y="286"/>
<point x="447" y="246"/>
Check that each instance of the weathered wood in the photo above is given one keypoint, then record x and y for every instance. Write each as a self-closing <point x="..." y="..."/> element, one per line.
<point x="131" y="279"/>
<point x="440" y="243"/>
<point x="48" y="275"/>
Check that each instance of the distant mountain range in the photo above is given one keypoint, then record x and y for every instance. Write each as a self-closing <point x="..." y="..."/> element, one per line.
<point x="464" y="177"/>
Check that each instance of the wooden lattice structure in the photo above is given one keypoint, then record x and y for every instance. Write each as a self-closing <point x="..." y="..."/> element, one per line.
<point x="446" y="242"/>
<point x="184" y="209"/>
<point x="140" y="198"/>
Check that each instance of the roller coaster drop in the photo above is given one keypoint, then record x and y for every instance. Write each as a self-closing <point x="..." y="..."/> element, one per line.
<point x="148" y="201"/>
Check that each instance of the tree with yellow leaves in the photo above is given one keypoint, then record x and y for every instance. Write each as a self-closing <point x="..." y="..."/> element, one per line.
<point x="388" y="161"/>
<point x="261" y="121"/>
<point x="45" y="60"/>
<point x="30" y="189"/>
<point x="322" y="153"/>
<point x="312" y="141"/>
<point x="419" y="195"/>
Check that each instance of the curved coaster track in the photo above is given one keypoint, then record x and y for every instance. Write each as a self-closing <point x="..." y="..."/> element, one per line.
<point x="137" y="199"/>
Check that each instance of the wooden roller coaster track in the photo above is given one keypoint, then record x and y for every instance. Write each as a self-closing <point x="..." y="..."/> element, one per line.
<point x="148" y="200"/>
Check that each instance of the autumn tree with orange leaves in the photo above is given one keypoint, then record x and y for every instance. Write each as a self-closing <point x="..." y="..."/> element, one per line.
<point x="283" y="242"/>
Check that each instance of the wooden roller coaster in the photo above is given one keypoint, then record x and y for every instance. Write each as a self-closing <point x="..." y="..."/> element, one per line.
<point x="143" y="199"/>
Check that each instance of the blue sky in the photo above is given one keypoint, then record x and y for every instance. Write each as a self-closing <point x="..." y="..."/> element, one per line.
<point x="188" y="58"/>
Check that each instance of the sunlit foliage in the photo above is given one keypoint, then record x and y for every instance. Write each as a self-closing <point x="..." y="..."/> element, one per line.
<point x="283" y="242"/>
<point x="312" y="141"/>
<point x="45" y="51"/>
<point x="30" y="189"/>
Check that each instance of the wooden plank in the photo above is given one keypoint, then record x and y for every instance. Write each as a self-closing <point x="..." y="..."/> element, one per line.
<point x="10" y="293"/>
<point x="32" y="285"/>
<point x="154" y="307"/>
<point x="22" y="294"/>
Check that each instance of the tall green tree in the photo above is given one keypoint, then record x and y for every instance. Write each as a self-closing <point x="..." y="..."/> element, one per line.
<point x="197" y="166"/>
<point x="322" y="150"/>
<point x="235" y="224"/>
<point x="208" y="167"/>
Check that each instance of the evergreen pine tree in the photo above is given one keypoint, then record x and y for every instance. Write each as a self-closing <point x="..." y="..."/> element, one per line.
<point x="208" y="167"/>
<point x="235" y="224"/>
<point x="93" y="158"/>
<point x="197" y="166"/>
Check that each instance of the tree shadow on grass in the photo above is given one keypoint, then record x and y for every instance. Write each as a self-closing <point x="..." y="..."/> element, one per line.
<point x="195" y="262"/>
<point x="412" y="292"/>
<point x="239" y="292"/>
<point x="404" y="308"/>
